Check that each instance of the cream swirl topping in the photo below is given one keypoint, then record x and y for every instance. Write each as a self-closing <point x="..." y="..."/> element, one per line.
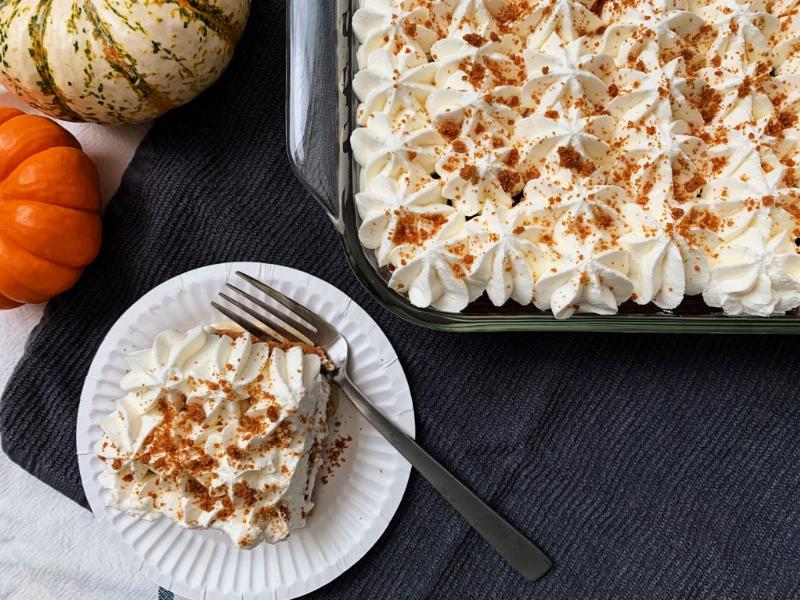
<point x="217" y="432"/>
<point x="757" y="272"/>
<point x="585" y="153"/>
<point x="505" y="242"/>
<point x="585" y="268"/>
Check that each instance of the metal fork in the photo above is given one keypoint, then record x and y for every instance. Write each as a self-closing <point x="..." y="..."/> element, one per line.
<point x="287" y="326"/>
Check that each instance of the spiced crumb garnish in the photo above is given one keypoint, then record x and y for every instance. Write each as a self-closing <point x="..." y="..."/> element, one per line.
<point x="414" y="228"/>
<point x="469" y="173"/>
<point x="409" y="28"/>
<point x="333" y="456"/>
<point x="235" y="452"/>
<point x="694" y="183"/>
<point x="508" y="180"/>
<point x="570" y="158"/>
<point x="512" y="158"/>
<point x="710" y="101"/>
<point x="459" y="146"/>
<point x="273" y="414"/>
<point x="448" y="129"/>
<point x="473" y="39"/>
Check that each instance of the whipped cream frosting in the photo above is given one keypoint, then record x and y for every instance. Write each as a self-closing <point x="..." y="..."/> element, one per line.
<point x="578" y="154"/>
<point x="217" y="430"/>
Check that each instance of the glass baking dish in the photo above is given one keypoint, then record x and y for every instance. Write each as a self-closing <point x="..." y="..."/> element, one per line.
<point x="320" y="115"/>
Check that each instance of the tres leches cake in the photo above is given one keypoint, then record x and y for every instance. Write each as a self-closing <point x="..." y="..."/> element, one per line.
<point x="577" y="154"/>
<point x="218" y="430"/>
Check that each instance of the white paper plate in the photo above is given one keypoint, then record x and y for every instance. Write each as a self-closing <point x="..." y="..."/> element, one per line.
<point x="352" y="510"/>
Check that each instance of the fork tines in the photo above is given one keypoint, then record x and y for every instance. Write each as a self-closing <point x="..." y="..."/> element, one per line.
<point x="285" y="325"/>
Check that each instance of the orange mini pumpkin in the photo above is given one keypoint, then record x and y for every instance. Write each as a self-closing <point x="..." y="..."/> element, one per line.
<point x="50" y="205"/>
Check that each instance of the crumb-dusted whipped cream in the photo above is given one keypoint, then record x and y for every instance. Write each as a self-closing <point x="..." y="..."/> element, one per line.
<point x="578" y="154"/>
<point x="218" y="430"/>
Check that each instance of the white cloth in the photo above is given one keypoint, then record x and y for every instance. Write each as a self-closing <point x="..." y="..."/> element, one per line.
<point x="49" y="546"/>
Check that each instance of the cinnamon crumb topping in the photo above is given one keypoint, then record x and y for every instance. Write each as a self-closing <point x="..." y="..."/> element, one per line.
<point x="414" y="228"/>
<point x="710" y="101"/>
<point x="508" y="180"/>
<point x="570" y="158"/>
<point x="473" y="39"/>
<point x="469" y="173"/>
<point x="448" y="130"/>
<point x="695" y="183"/>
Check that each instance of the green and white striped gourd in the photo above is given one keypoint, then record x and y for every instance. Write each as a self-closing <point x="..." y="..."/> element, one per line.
<point x="115" y="61"/>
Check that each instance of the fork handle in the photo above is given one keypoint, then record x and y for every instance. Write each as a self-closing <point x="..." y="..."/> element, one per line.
<point x="515" y="548"/>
